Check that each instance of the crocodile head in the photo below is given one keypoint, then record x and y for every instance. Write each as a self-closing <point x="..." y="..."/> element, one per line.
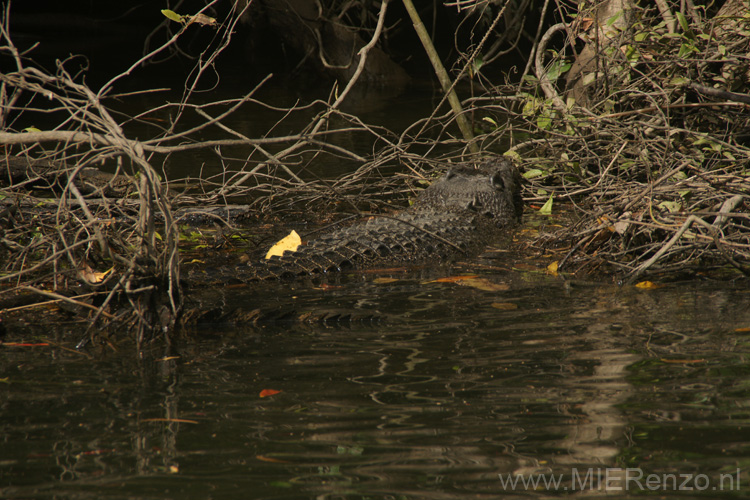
<point x="492" y="189"/>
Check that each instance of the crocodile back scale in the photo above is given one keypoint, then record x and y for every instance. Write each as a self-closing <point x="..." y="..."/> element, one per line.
<point x="457" y="215"/>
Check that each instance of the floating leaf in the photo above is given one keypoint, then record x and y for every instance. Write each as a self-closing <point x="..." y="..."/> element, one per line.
<point x="268" y="392"/>
<point x="682" y="361"/>
<point x="289" y="243"/>
<point x="454" y="279"/>
<point x="505" y="306"/>
<point x="174" y="16"/>
<point x="383" y="281"/>
<point x="547" y="207"/>
<point x="647" y="285"/>
<point x="326" y="287"/>
<point x="22" y="344"/>
<point x="281" y="484"/>
<point x="484" y="284"/>
<point x="272" y="459"/>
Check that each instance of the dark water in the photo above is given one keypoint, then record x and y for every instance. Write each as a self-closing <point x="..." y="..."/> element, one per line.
<point x="435" y="390"/>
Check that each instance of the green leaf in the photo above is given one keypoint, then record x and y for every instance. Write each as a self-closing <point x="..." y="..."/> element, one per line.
<point x="588" y="79"/>
<point x="31" y="129"/>
<point x="686" y="49"/>
<point x="529" y="108"/>
<point x="544" y="122"/>
<point x="678" y="81"/>
<point x="532" y="173"/>
<point x="547" y="208"/>
<point x="475" y="66"/>
<point x="489" y="120"/>
<point x="679" y="176"/>
<point x="612" y="20"/>
<point x="671" y="206"/>
<point x="513" y="154"/>
<point x="683" y="21"/>
<point x="556" y="69"/>
<point x="170" y="14"/>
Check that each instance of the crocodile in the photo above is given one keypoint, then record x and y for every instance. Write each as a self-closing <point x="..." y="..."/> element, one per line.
<point x="457" y="215"/>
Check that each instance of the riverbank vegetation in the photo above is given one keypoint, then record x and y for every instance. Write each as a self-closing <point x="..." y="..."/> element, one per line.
<point x="632" y="119"/>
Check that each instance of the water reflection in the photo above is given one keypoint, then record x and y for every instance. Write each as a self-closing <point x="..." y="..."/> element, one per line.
<point x="436" y="402"/>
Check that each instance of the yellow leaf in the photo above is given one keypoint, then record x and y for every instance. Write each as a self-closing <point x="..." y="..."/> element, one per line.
<point x="552" y="268"/>
<point x="454" y="279"/>
<point x="647" y="285"/>
<point x="484" y="284"/>
<point x="743" y="329"/>
<point x="288" y="243"/>
<point x="382" y="281"/>
<point x="174" y="16"/>
<point x="31" y="129"/>
<point x="505" y="306"/>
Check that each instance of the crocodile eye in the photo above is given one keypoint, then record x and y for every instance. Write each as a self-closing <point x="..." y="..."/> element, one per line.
<point x="497" y="182"/>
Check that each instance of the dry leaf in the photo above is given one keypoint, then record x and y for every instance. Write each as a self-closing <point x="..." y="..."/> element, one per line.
<point x="288" y="243"/>
<point x="682" y="361"/>
<point x="552" y="268"/>
<point x="272" y="459"/>
<point x="484" y="284"/>
<point x="647" y="285"/>
<point x="383" y="281"/>
<point x="325" y="287"/>
<point x="92" y="276"/>
<point x="268" y="392"/>
<point x="505" y="306"/>
<point x="454" y="279"/>
<point x="201" y="19"/>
